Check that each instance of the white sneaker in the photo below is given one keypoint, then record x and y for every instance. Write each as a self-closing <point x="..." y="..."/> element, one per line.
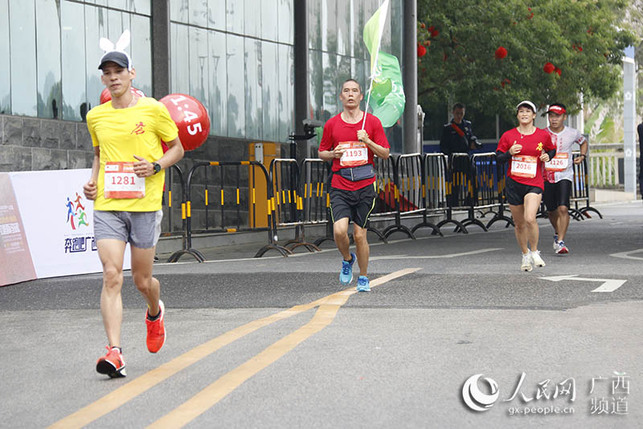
<point x="526" y="262"/>
<point x="556" y="246"/>
<point x="536" y="259"/>
<point x="562" y="249"/>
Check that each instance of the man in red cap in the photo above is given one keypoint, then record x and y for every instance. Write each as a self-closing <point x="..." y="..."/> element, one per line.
<point x="559" y="173"/>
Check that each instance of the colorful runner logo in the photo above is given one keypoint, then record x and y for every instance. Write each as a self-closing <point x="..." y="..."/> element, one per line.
<point x="76" y="215"/>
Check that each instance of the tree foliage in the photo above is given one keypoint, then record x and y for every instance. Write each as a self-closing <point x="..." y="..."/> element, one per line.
<point x="580" y="38"/>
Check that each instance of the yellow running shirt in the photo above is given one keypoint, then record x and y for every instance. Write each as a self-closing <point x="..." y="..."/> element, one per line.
<point x="123" y="133"/>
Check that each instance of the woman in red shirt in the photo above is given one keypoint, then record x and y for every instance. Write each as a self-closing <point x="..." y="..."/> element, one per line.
<point x="527" y="148"/>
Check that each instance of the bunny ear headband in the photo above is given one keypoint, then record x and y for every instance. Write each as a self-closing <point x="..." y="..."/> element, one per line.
<point x="116" y="53"/>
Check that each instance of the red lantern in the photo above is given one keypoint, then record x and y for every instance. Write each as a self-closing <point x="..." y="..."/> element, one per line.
<point x="105" y="96"/>
<point x="421" y="51"/>
<point x="191" y="117"/>
<point x="435" y="33"/>
<point x="557" y="71"/>
<point x="501" y="53"/>
<point x="549" y="68"/>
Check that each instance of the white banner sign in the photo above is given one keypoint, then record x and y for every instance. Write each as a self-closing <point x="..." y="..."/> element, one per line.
<point x="58" y="221"/>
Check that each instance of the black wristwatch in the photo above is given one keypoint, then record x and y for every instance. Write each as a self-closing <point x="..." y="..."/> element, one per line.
<point x="157" y="167"/>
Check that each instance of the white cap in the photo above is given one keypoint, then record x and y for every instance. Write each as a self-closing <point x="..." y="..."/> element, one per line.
<point x="527" y="103"/>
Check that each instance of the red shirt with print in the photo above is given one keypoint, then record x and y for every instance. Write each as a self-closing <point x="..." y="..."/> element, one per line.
<point x="337" y="131"/>
<point x="521" y="166"/>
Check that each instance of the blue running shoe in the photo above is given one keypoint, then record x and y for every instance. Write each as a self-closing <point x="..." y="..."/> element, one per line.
<point x="346" y="275"/>
<point x="363" y="285"/>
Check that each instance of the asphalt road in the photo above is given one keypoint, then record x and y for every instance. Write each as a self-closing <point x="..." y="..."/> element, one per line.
<point x="277" y="342"/>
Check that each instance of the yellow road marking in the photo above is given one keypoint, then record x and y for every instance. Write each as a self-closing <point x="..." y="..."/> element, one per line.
<point x="141" y="384"/>
<point x="227" y="383"/>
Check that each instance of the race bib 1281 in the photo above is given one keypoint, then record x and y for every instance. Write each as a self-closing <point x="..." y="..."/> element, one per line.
<point x="122" y="182"/>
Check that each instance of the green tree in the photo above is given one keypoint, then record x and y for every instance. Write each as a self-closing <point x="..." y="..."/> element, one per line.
<point x="583" y="40"/>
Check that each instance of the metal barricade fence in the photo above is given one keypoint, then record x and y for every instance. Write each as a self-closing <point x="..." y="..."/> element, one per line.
<point x="434" y="192"/>
<point x="458" y="185"/>
<point x="486" y="188"/>
<point x="501" y="176"/>
<point x="408" y="192"/>
<point x="315" y="186"/>
<point x="173" y="203"/>
<point x="288" y="203"/>
<point x="386" y="206"/>
<point x="580" y="190"/>
<point x="234" y="199"/>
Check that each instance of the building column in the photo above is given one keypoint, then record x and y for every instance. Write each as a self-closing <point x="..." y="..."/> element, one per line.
<point x="301" y="87"/>
<point x="160" y="21"/>
<point x="409" y="76"/>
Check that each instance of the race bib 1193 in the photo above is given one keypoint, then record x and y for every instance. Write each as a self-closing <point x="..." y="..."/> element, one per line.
<point x="356" y="154"/>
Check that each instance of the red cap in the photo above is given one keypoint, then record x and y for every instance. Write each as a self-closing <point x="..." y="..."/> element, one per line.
<point x="555" y="108"/>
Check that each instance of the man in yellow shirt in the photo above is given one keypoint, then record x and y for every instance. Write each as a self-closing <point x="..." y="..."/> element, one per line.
<point x="126" y="186"/>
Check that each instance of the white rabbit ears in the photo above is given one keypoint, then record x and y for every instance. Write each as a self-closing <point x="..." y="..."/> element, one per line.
<point x="116" y="53"/>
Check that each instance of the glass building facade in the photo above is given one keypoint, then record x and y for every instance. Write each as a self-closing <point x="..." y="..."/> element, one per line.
<point x="235" y="56"/>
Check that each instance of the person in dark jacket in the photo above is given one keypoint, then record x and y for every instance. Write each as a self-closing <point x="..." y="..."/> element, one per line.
<point x="457" y="135"/>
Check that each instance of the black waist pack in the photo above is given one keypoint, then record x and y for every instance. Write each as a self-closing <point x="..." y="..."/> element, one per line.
<point x="355" y="174"/>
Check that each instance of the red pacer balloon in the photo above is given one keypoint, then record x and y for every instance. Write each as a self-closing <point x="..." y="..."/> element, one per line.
<point x="190" y="117"/>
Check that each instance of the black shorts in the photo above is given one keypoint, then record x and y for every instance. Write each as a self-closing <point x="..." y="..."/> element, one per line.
<point x="516" y="191"/>
<point x="557" y="194"/>
<point x="355" y="205"/>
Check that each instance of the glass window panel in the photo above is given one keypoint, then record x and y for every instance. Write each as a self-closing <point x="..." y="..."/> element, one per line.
<point x="217" y="102"/>
<point x="358" y="22"/>
<point x="253" y="85"/>
<point x="118" y="4"/>
<point x="117" y="22"/>
<point x="180" y="70"/>
<point x="252" y="11"/>
<point x="314" y="24"/>
<point x="179" y="11"/>
<point x="330" y="86"/>
<point x="316" y="83"/>
<point x="286" y="91"/>
<point x="23" y="58"/>
<point x="141" y="53"/>
<point x="73" y="60"/>
<point x="236" y="87"/>
<point x="198" y="12"/>
<point x="217" y="14"/>
<point x="270" y="92"/>
<point x="269" y="18"/>
<point x="95" y="28"/>
<point x="234" y="16"/>
<point x="198" y="57"/>
<point x="329" y="25"/>
<point x="344" y="71"/>
<point x="48" y="48"/>
<point x="343" y="27"/>
<point x="286" y="14"/>
<point x="5" y="75"/>
<point x="141" y="6"/>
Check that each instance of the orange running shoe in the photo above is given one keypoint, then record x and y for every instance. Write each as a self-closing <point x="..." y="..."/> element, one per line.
<point x="112" y="363"/>
<point x="156" y="330"/>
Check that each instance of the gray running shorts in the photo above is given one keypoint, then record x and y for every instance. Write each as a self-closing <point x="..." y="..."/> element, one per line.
<point x="140" y="229"/>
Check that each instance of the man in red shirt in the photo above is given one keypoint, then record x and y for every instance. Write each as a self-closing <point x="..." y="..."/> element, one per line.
<point x="350" y="140"/>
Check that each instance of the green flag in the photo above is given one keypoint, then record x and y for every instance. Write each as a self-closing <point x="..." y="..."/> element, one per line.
<point x="386" y="93"/>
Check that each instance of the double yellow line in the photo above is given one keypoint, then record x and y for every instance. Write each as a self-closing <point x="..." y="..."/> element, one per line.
<point x="208" y="397"/>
